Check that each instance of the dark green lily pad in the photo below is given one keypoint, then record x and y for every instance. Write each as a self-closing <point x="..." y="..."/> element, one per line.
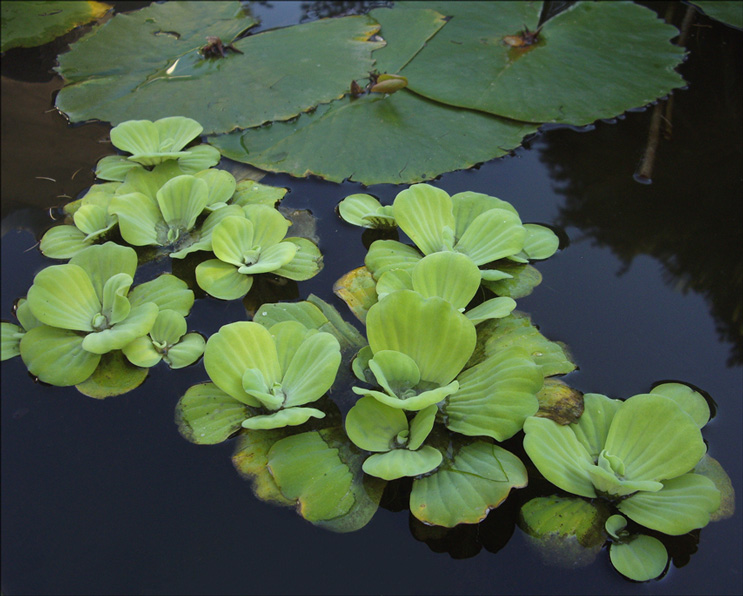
<point x="153" y="68"/>
<point x="594" y="60"/>
<point x="729" y="12"/>
<point x="400" y="138"/>
<point x="30" y="24"/>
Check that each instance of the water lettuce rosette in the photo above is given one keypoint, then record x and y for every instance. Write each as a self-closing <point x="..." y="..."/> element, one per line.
<point x="152" y="143"/>
<point x="417" y="346"/>
<point x="396" y="443"/>
<point x="484" y="228"/>
<point x="167" y="341"/>
<point x="253" y="243"/>
<point x="261" y="379"/>
<point x="367" y="212"/>
<point x="84" y="311"/>
<point x="91" y="219"/>
<point x="639" y="453"/>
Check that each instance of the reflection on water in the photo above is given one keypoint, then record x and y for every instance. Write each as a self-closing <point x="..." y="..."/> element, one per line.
<point x="688" y="217"/>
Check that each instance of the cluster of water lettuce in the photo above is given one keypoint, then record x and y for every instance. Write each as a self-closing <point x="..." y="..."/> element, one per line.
<point x="171" y="198"/>
<point x="76" y="313"/>
<point x="445" y="373"/>
<point x="162" y="195"/>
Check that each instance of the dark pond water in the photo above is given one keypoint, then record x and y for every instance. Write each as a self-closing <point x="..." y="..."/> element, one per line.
<point x="104" y="497"/>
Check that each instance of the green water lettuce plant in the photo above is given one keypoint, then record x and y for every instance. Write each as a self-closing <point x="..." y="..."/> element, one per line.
<point x="483" y="228"/>
<point x="448" y="275"/>
<point x="417" y="346"/>
<point x="253" y="243"/>
<point x="168" y="341"/>
<point x="396" y="443"/>
<point x="84" y="312"/>
<point x="261" y="379"/>
<point x="639" y="453"/>
<point x="91" y="221"/>
<point x="152" y="143"/>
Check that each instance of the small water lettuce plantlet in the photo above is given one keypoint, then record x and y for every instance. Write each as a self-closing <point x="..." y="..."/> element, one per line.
<point x="639" y="454"/>
<point x="636" y="556"/>
<point x="367" y="212"/>
<point x="260" y="379"/>
<point x="396" y="443"/>
<point x="252" y="243"/>
<point x="168" y="341"/>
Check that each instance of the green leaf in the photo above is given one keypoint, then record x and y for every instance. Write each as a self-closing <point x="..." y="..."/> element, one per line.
<point x="559" y="456"/>
<point x="492" y="235"/>
<point x="689" y="400"/>
<point x="29" y="24"/>
<point x="103" y="261"/>
<point x="384" y="126"/>
<point x="495" y="308"/>
<point x="11" y="340"/>
<point x="421" y="426"/>
<point x="466" y="487"/>
<point x="373" y="426"/>
<point x="511" y="279"/>
<point x="115" y="168"/>
<point x="402" y="462"/>
<point x="592" y="427"/>
<point x="395" y="371"/>
<point x="365" y="211"/>
<point x="387" y="255"/>
<point x="309" y="471"/>
<point x="583" y="67"/>
<point x="306" y="263"/>
<point x="275" y="75"/>
<point x="683" y="504"/>
<point x="729" y="13"/>
<point x="141" y="352"/>
<point x="437" y="337"/>
<point x="424" y="213"/>
<point x="221" y="186"/>
<point x="206" y="415"/>
<point x="115" y="375"/>
<point x="654" y="438"/>
<point x="235" y="348"/>
<point x="640" y="558"/>
<point x="56" y="356"/>
<point x="181" y="200"/>
<point x="222" y="280"/>
<point x="312" y="369"/>
<point x="495" y="397"/>
<point x="63" y="242"/>
<point x="540" y="242"/>
<point x="167" y="291"/>
<point x="138" y="323"/>
<point x="281" y="418"/>
<point x="250" y="192"/>
<point x="448" y="275"/>
<point x="116" y="306"/>
<point x="63" y="296"/>
<point x="139" y="216"/>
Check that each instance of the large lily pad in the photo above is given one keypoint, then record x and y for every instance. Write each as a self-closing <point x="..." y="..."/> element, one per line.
<point x="593" y="60"/>
<point x="152" y="66"/>
<point x="398" y="138"/>
<point x="30" y="24"/>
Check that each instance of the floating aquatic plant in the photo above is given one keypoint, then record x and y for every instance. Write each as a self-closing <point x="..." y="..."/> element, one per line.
<point x="78" y="312"/>
<point x="483" y="228"/>
<point x="366" y="211"/>
<point x="397" y="444"/>
<point x="152" y="143"/>
<point x="261" y="379"/>
<point x="168" y="341"/>
<point x="639" y="454"/>
<point x="254" y="243"/>
<point x="417" y="346"/>
<point x="636" y="556"/>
